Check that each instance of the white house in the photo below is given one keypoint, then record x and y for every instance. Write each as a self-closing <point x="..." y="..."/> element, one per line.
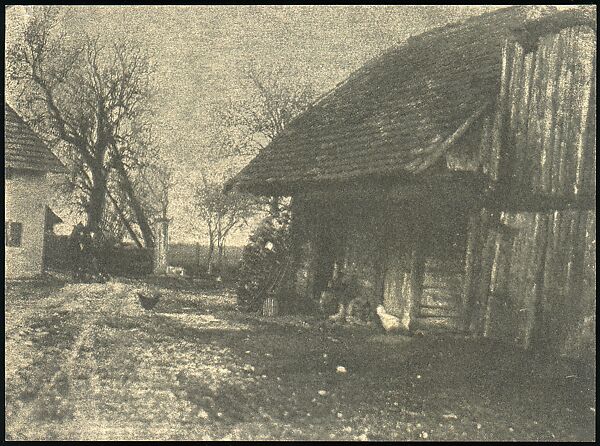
<point x="27" y="165"/>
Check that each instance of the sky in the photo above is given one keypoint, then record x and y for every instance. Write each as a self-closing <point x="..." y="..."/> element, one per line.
<point x="200" y="52"/>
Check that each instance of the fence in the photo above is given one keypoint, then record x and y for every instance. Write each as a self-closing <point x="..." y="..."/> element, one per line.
<point x="133" y="261"/>
<point x="121" y="260"/>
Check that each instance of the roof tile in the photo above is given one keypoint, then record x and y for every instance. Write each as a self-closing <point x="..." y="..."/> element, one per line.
<point x="23" y="148"/>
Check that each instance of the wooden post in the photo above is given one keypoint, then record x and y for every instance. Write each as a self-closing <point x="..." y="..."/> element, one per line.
<point x="417" y="261"/>
<point x="471" y="270"/>
<point x="536" y="337"/>
<point x="482" y="286"/>
<point x="270" y="307"/>
<point x="161" y="247"/>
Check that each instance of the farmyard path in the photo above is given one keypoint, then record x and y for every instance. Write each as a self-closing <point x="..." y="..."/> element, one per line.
<point x="197" y="369"/>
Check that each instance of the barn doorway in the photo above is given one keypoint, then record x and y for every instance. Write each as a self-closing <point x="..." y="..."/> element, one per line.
<point x="443" y="264"/>
<point x="330" y="239"/>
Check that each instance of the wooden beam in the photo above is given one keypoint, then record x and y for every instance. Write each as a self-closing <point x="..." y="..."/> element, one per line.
<point x="482" y="286"/>
<point x="537" y="337"/>
<point x="435" y="151"/>
<point x="515" y="202"/>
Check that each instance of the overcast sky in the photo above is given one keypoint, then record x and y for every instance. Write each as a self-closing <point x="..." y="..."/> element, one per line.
<point x="200" y="51"/>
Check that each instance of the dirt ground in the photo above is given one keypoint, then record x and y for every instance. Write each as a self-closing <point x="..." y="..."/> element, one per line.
<point x="85" y="361"/>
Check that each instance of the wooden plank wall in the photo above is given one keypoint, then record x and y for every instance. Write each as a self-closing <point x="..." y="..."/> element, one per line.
<point x="537" y="272"/>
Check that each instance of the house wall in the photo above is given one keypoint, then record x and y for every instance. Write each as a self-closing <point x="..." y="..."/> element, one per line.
<point x="540" y="286"/>
<point x="26" y="196"/>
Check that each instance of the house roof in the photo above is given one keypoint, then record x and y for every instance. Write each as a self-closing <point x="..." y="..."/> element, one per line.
<point x="23" y="148"/>
<point x="392" y="116"/>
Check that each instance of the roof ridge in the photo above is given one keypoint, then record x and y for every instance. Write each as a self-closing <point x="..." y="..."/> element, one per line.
<point x="433" y="32"/>
<point x="411" y="38"/>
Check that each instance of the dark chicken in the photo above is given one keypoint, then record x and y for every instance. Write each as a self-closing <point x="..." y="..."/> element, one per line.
<point x="148" y="300"/>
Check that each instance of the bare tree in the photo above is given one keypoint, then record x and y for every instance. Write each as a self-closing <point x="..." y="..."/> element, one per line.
<point x="246" y="126"/>
<point x="243" y="127"/>
<point x="90" y="100"/>
<point x="222" y="213"/>
<point x="154" y="183"/>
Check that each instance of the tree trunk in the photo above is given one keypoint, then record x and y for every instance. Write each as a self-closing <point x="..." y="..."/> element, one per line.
<point x="96" y="201"/>
<point x="136" y="207"/>
<point x="211" y="250"/>
<point x="142" y="222"/>
<point x="220" y="252"/>
<point x="123" y="218"/>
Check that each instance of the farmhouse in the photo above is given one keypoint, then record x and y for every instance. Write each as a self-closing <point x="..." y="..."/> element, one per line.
<point x="453" y="179"/>
<point x="27" y="163"/>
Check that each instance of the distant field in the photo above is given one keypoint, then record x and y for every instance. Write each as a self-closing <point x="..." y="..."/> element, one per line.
<point x="190" y="256"/>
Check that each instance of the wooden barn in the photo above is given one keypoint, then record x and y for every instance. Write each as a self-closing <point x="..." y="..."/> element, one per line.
<point x="453" y="179"/>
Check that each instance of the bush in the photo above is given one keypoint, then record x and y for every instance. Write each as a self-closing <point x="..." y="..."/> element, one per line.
<point x="263" y="261"/>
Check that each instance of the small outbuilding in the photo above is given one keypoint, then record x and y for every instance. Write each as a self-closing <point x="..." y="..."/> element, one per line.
<point x="453" y="178"/>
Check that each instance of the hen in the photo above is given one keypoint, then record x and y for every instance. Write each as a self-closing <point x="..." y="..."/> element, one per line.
<point x="389" y="322"/>
<point x="148" y="299"/>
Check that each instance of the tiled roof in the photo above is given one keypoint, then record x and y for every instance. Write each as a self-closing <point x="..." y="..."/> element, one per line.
<point x="23" y="149"/>
<point x="390" y="115"/>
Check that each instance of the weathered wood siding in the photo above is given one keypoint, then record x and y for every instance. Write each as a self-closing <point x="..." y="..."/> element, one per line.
<point x="538" y="268"/>
<point x="441" y="291"/>
<point x="542" y="131"/>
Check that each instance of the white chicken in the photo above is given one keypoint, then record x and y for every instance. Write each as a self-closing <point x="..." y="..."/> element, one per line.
<point x="389" y="322"/>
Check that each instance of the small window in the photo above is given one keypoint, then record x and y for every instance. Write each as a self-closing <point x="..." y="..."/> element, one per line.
<point x="12" y="233"/>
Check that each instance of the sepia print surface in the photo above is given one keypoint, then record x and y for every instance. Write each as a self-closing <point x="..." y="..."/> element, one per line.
<point x="348" y="223"/>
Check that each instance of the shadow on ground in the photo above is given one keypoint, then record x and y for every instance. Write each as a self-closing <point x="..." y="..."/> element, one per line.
<point x="195" y="368"/>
